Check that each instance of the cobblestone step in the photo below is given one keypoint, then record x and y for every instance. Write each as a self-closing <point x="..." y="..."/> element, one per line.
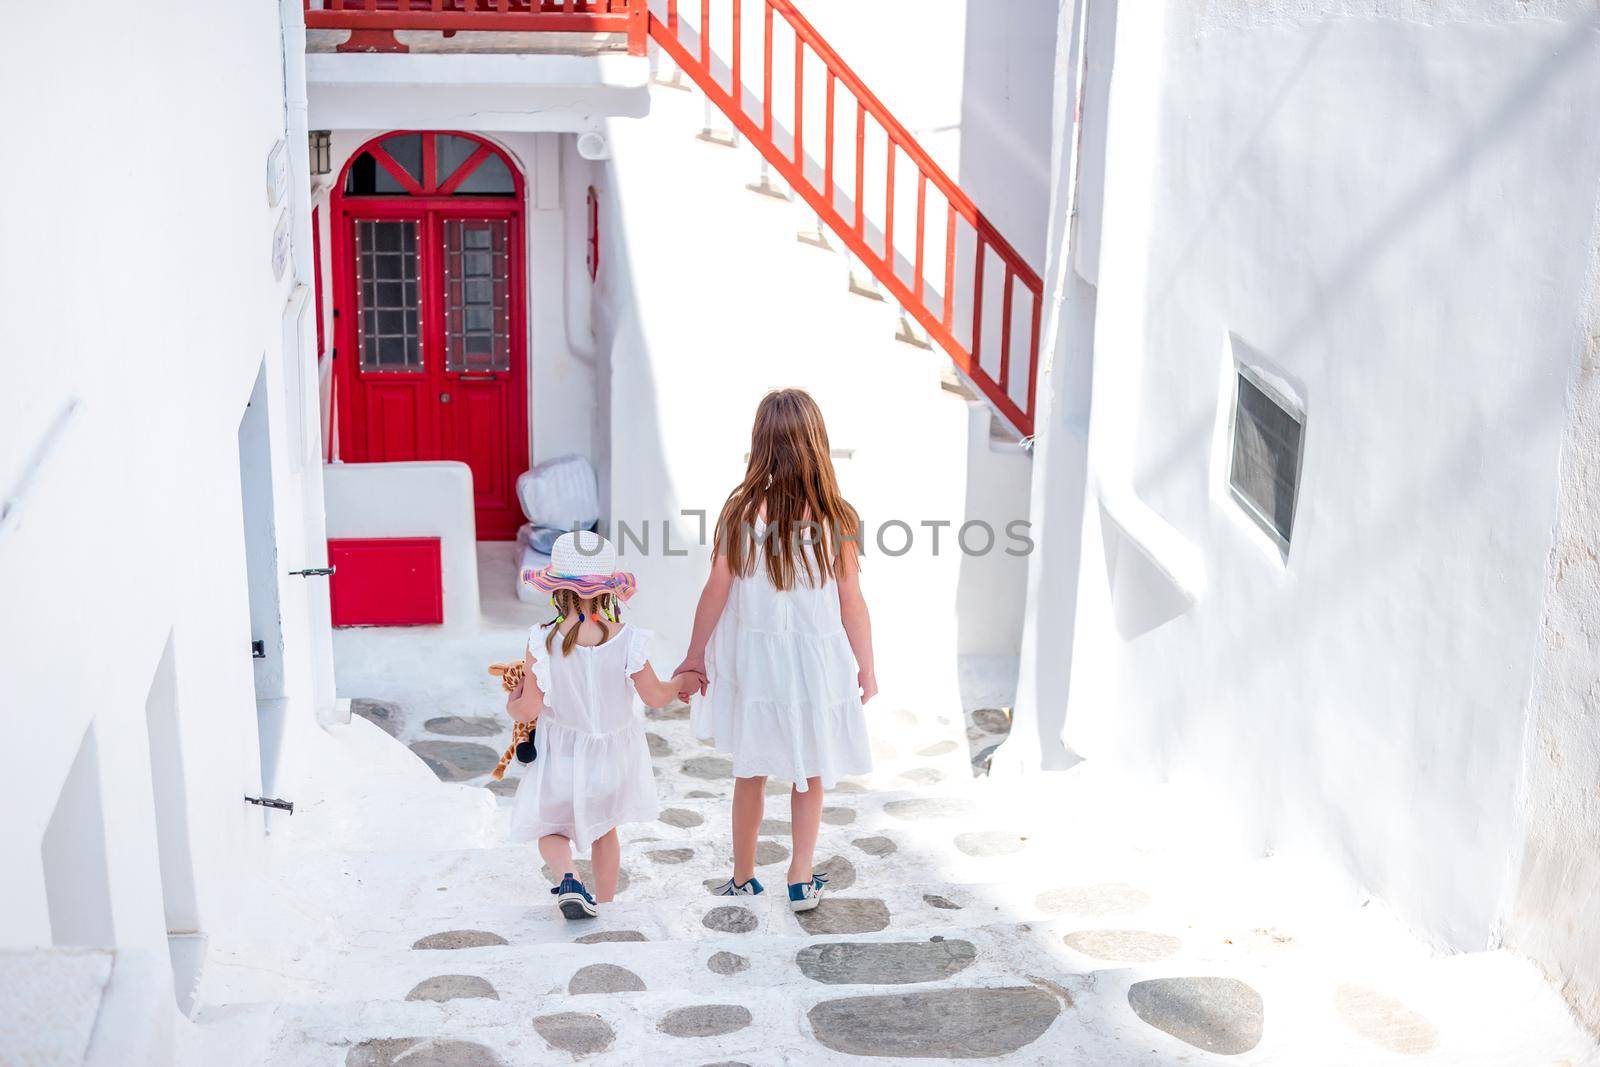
<point x="750" y="1025"/>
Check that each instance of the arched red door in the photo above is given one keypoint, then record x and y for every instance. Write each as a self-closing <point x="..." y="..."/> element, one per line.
<point x="431" y="307"/>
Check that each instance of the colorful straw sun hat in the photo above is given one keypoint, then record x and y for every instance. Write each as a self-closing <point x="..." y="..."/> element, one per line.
<point x="585" y="563"/>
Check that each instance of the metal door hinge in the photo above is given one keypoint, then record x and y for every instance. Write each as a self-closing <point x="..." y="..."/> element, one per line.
<point x="271" y="802"/>
<point x="315" y="572"/>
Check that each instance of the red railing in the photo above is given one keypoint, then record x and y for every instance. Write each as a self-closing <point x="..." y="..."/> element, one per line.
<point x="373" y="22"/>
<point x="943" y="260"/>
<point x="858" y="168"/>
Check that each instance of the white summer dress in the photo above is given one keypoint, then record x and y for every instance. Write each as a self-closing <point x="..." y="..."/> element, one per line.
<point x="593" y="769"/>
<point x="782" y="694"/>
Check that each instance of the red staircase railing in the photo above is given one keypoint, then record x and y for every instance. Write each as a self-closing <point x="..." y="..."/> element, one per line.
<point x="856" y="166"/>
<point x="958" y="277"/>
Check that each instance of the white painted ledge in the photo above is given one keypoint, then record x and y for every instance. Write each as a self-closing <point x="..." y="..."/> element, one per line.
<point x="487" y="92"/>
<point x="1156" y="573"/>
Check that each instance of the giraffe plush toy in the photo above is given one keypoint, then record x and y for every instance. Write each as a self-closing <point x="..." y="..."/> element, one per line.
<point x="510" y="675"/>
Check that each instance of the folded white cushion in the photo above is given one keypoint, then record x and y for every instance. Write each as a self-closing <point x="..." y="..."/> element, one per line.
<point x="560" y="494"/>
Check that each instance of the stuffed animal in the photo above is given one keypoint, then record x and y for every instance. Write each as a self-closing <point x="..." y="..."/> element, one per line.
<point x="511" y="675"/>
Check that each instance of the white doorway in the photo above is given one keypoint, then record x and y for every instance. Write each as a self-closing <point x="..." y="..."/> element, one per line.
<point x="261" y="574"/>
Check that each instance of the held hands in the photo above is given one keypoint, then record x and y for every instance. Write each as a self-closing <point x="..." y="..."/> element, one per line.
<point x="690" y="676"/>
<point x="688" y="683"/>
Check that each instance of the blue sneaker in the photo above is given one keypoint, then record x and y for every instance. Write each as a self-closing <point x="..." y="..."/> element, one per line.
<point x="574" y="900"/>
<point x="731" y="889"/>
<point x="803" y="896"/>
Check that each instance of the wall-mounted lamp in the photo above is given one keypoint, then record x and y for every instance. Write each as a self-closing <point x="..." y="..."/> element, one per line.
<point x="321" y="151"/>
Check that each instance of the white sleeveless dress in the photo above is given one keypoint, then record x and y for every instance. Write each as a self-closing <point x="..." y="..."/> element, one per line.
<point x="782" y="695"/>
<point x="593" y="770"/>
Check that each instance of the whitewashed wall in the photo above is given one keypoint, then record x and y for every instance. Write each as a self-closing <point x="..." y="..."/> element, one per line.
<point x="1380" y="202"/>
<point x="136" y="277"/>
<point x="1552" y="909"/>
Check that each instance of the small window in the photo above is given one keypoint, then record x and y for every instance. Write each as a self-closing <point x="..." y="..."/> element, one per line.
<point x="1265" y="471"/>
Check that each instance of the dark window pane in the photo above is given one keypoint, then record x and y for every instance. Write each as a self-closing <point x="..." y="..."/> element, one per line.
<point x="1266" y="458"/>
<point x="492" y="178"/>
<point x="453" y="151"/>
<point x="367" y="178"/>
<point x="406" y="148"/>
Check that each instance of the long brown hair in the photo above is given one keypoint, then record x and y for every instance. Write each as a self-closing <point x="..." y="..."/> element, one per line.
<point x="791" y="477"/>
<point x="568" y="603"/>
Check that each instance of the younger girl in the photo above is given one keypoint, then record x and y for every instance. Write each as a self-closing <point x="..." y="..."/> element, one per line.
<point x="592" y="772"/>
<point x="783" y="639"/>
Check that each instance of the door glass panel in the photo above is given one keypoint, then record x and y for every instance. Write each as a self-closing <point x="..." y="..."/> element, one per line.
<point x="389" y="333"/>
<point x="477" y="313"/>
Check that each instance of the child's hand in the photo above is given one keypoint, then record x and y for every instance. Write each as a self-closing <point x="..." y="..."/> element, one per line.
<point x="692" y="665"/>
<point x="687" y="683"/>
<point x="868" y="681"/>
<point x="519" y="709"/>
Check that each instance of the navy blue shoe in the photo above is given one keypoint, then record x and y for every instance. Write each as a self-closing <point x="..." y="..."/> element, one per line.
<point x="574" y="900"/>
<point x="803" y="896"/>
<point x="732" y="889"/>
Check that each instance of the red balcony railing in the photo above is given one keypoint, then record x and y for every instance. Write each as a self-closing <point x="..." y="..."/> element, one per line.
<point x="373" y="22"/>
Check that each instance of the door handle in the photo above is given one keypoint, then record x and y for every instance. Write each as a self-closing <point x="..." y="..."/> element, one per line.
<point x="444" y="398"/>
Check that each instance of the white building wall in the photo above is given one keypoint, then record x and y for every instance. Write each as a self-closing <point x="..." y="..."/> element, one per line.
<point x="1378" y="203"/>
<point x="1552" y="910"/>
<point x="137" y="281"/>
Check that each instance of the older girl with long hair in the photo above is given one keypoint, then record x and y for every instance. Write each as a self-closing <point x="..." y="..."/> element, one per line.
<point x="783" y="639"/>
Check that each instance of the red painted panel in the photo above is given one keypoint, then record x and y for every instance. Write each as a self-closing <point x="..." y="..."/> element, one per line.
<point x="386" y="581"/>
<point x="397" y="428"/>
<point x="479" y="434"/>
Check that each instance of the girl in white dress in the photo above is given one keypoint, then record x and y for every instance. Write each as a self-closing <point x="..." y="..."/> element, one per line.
<point x="783" y="639"/>
<point x="592" y="772"/>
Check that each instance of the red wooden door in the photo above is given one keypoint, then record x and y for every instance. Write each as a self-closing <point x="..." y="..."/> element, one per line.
<point x="432" y="306"/>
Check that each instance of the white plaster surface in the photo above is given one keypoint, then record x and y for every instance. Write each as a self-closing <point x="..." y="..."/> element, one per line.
<point x="130" y="546"/>
<point x="1558" y="885"/>
<point x="1345" y="188"/>
<point x="478" y="92"/>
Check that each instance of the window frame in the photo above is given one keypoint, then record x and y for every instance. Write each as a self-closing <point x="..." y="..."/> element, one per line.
<point x="1296" y="411"/>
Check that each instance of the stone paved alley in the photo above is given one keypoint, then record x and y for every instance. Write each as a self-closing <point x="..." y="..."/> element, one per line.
<point x="1071" y="919"/>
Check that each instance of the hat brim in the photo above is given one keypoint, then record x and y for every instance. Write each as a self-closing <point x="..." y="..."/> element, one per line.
<point x="621" y="583"/>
